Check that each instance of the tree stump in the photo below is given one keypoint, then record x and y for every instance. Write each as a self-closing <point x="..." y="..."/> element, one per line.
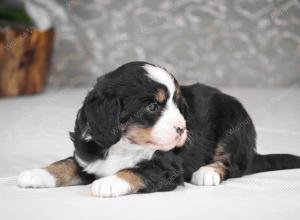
<point x="24" y="60"/>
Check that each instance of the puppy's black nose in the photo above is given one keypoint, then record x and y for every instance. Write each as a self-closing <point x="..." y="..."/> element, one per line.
<point x="179" y="130"/>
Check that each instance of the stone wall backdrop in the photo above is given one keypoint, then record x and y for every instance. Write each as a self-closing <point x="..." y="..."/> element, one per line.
<point x="219" y="42"/>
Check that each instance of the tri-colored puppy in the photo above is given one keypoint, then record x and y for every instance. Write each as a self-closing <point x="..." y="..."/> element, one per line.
<point x="140" y="131"/>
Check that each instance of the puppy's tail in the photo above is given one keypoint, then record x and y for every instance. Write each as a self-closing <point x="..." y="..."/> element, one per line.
<point x="270" y="162"/>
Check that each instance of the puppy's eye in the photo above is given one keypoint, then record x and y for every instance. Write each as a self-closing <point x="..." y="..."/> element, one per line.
<point x="153" y="107"/>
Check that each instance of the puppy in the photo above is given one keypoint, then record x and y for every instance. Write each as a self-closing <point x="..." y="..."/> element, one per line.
<point x="138" y="130"/>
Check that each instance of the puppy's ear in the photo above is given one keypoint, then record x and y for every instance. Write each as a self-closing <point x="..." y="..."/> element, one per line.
<point x="99" y="118"/>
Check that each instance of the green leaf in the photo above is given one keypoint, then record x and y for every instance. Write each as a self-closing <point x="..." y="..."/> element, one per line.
<point x="15" y="15"/>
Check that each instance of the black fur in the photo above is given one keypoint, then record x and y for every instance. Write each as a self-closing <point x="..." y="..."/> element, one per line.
<point x="213" y="119"/>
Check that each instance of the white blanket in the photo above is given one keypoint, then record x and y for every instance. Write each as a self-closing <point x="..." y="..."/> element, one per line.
<point x="34" y="132"/>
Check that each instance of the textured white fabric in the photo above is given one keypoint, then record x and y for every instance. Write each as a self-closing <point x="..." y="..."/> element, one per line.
<point x="34" y="132"/>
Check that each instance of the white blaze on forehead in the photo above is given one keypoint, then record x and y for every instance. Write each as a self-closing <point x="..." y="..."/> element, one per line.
<point x="163" y="131"/>
<point x="162" y="76"/>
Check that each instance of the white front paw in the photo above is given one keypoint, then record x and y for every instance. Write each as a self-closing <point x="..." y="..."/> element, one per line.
<point x="111" y="186"/>
<point x="206" y="176"/>
<point x="36" y="178"/>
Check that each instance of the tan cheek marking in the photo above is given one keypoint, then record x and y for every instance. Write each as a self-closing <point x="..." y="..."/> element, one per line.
<point x="160" y="95"/>
<point x="139" y="135"/>
<point x="64" y="171"/>
<point x="135" y="181"/>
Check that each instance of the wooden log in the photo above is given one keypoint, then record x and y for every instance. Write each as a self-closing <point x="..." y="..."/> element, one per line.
<point x="24" y="60"/>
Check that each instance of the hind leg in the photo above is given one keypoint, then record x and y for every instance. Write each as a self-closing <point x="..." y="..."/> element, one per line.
<point x="209" y="175"/>
<point x="222" y="167"/>
<point x="61" y="173"/>
<point x="214" y="173"/>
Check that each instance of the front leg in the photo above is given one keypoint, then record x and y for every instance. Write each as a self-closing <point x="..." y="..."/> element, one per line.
<point x="162" y="173"/>
<point x="61" y="173"/>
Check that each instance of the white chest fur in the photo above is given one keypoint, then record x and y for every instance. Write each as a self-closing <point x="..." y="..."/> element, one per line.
<point x="120" y="156"/>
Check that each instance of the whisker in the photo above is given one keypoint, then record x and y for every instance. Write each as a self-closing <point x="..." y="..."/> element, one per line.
<point x="189" y="139"/>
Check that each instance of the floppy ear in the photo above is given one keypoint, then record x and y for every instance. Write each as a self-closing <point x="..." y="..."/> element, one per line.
<point x="99" y="118"/>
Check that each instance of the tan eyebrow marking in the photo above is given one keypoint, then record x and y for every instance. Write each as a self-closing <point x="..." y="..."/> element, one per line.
<point x="160" y="95"/>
